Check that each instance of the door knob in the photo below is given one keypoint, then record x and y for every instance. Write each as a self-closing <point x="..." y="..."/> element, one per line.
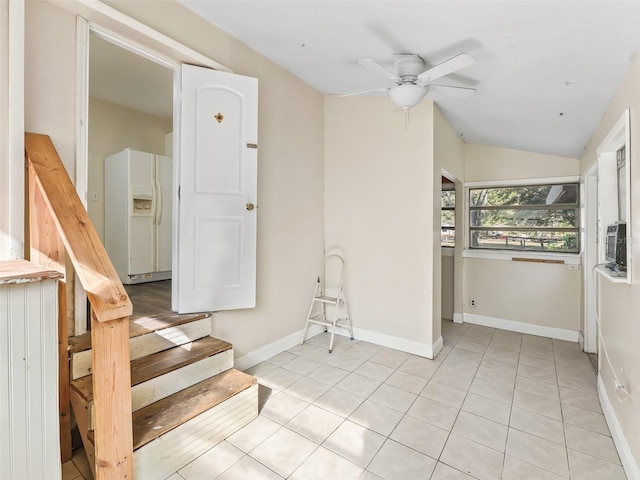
<point x="250" y="206"/>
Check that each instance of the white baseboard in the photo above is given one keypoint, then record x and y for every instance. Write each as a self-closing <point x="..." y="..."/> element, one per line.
<point x="397" y="343"/>
<point x="436" y="347"/>
<point x="520" y="327"/>
<point x="624" y="451"/>
<point x="267" y="351"/>
<point x="457" y="318"/>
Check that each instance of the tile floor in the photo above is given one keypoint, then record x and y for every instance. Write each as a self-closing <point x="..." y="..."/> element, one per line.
<point x="493" y="405"/>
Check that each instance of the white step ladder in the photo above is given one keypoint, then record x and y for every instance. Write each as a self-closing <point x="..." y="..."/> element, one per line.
<point x="320" y="300"/>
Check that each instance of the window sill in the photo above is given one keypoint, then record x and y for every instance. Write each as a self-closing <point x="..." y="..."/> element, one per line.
<point x="567" y="258"/>
<point x="605" y="274"/>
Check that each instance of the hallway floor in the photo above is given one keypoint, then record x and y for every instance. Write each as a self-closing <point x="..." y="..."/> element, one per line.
<point x="493" y="405"/>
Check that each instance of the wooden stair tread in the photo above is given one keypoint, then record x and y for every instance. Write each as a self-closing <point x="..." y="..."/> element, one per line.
<point x="140" y="326"/>
<point x="158" y="418"/>
<point x="151" y="366"/>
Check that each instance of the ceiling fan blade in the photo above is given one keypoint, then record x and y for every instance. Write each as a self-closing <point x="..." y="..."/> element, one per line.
<point x="384" y="89"/>
<point x="445" y="68"/>
<point x="376" y="67"/>
<point x="459" y="92"/>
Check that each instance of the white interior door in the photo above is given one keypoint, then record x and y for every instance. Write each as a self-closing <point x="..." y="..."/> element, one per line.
<point x="216" y="234"/>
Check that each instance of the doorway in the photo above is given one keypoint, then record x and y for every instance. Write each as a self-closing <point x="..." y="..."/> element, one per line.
<point x="130" y="106"/>
<point x="214" y="157"/>
<point x="129" y="159"/>
<point x="447" y="246"/>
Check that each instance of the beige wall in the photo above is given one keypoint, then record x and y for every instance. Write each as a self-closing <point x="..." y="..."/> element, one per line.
<point x="112" y="128"/>
<point x="449" y="155"/>
<point x="49" y="86"/>
<point x="619" y="304"/>
<point x="290" y="156"/>
<point x="487" y="163"/>
<point x="447" y="279"/>
<point x="379" y="212"/>
<point x="448" y="147"/>
<point x="534" y="293"/>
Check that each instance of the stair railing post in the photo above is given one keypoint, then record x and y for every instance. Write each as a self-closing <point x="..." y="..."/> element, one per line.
<point x="113" y="436"/>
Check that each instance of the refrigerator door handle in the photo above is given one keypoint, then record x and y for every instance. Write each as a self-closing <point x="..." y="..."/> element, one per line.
<point x="159" y="204"/>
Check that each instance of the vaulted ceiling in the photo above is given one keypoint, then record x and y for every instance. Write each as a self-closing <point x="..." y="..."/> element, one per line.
<point x="545" y="71"/>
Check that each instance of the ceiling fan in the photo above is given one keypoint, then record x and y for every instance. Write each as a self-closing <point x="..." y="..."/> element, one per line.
<point x="413" y="82"/>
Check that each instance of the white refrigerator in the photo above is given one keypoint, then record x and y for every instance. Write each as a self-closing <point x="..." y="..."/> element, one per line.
<point x="137" y="215"/>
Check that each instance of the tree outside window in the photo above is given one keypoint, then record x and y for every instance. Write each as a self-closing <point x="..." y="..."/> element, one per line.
<point x="448" y="218"/>
<point x="532" y="217"/>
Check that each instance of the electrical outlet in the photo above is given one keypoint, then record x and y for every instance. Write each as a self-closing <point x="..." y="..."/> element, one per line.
<point x="473" y="303"/>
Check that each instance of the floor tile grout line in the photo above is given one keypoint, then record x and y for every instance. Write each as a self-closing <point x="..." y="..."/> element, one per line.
<point x="568" y="364"/>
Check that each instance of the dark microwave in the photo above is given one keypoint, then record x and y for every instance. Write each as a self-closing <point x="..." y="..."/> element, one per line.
<point x="616" y="244"/>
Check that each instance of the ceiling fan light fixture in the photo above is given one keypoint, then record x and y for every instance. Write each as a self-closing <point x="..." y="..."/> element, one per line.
<point x="407" y="95"/>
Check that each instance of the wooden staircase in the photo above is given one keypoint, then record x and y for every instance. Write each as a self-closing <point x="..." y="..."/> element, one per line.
<point x="151" y="390"/>
<point x="185" y="394"/>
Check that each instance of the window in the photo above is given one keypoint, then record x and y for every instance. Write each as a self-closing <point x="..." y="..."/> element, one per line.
<point x="448" y="216"/>
<point x="530" y="217"/>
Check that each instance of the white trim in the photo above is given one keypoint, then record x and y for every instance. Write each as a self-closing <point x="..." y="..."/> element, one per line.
<point x="269" y="350"/>
<point x="133" y="47"/>
<point x="523" y="181"/>
<point x="581" y="342"/>
<point x="604" y="273"/>
<point x="590" y="244"/>
<point x="12" y="135"/>
<point x="618" y="136"/>
<point x="101" y="13"/>
<point x="521" y="327"/>
<point x="82" y="154"/>
<point x="458" y="318"/>
<point x="403" y="344"/>
<point x="82" y="108"/>
<point x="624" y="450"/>
<point x="567" y="258"/>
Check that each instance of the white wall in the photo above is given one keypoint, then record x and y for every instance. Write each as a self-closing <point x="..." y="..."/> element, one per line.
<point x="379" y="212"/>
<point x="619" y="304"/>
<point x="290" y="154"/>
<point x="531" y="293"/>
<point x="112" y="128"/>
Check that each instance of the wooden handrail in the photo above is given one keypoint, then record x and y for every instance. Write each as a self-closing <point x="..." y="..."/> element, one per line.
<point x="108" y="297"/>
<point x="59" y="226"/>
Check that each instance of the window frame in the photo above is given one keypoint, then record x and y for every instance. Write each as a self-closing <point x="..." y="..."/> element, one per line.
<point x="479" y="251"/>
<point x="452" y="188"/>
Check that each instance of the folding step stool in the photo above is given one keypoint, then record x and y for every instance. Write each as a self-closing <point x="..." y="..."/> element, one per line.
<point x="321" y="300"/>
